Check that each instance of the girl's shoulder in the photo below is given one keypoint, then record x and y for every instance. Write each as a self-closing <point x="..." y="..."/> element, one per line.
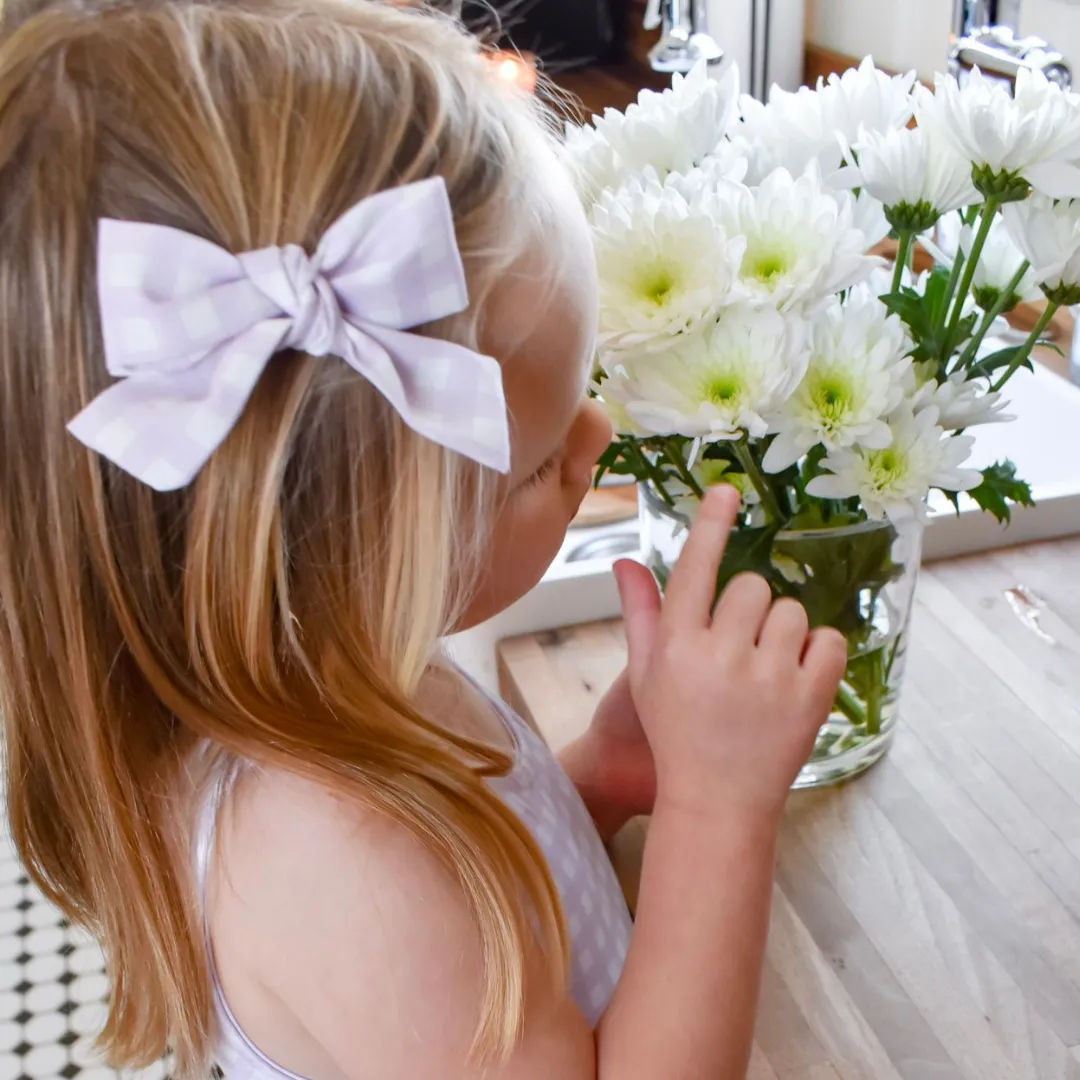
<point x="339" y="937"/>
<point x="314" y="903"/>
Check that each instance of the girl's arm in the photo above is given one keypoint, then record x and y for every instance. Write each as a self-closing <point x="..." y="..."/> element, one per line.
<point x="357" y="957"/>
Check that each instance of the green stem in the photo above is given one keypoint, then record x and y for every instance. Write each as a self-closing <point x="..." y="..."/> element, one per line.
<point x="892" y="656"/>
<point x="1003" y="299"/>
<point x="873" y="698"/>
<point x="655" y="475"/>
<point x="757" y="478"/>
<point x="989" y="212"/>
<point x="675" y="457"/>
<point x="954" y="280"/>
<point x="1025" y="349"/>
<point x="903" y="250"/>
<point x="968" y="217"/>
<point x="849" y="704"/>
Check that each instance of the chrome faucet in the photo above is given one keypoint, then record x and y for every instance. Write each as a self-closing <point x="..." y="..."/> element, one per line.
<point x="985" y="36"/>
<point x="684" y="35"/>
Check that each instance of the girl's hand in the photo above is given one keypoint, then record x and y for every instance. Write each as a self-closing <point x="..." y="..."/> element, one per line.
<point x="730" y="700"/>
<point x="612" y="763"/>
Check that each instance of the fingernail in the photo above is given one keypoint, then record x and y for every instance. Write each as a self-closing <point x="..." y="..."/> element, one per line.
<point x="718" y="497"/>
<point x="617" y="570"/>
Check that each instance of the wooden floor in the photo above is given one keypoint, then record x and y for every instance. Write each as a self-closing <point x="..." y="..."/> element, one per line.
<point x="926" y="921"/>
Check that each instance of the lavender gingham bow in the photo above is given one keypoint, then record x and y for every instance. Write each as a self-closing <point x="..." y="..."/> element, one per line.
<point x="188" y="328"/>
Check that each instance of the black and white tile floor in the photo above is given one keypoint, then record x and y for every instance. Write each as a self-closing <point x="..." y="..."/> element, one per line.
<point x="52" y="988"/>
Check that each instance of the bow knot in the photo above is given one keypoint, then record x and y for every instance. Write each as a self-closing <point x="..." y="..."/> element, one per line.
<point x="291" y="279"/>
<point x="189" y="327"/>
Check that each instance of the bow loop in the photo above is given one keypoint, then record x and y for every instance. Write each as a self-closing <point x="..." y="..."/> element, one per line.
<point x="188" y="329"/>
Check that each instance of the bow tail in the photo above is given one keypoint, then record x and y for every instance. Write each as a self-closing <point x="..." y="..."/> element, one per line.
<point x="443" y="391"/>
<point x="162" y="428"/>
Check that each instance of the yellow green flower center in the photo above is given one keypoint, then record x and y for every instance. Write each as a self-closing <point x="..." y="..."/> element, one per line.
<point x="831" y="398"/>
<point x="722" y="389"/>
<point x="765" y="266"/>
<point x="657" y="285"/>
<point x="887" y="467"/>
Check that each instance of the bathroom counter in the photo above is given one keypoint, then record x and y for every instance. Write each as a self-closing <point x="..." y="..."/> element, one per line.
<point x="926" y="919"/>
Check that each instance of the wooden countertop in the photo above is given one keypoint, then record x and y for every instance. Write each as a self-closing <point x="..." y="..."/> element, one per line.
<point x="926" y="918"/>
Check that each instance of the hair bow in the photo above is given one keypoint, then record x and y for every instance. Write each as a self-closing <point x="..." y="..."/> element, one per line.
<point x="189" y="327"/>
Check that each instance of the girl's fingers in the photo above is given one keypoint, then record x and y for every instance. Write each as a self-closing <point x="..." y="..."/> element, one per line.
<point x="640" y="599"/>
<point x="743" y="609"/>
<point x="785" y="629"/>
<point x="692" y="585"/>
<point x="824" y="662"/>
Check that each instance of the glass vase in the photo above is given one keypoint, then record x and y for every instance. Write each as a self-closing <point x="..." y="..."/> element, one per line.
<point x="857" y="577"/>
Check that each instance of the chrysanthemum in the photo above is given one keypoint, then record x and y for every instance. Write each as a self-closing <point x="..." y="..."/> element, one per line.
<point x="808" y="126"/>
<point x="666" y="265"/>
<point x="592" y="163"/>
<point x="676" y="129"/>
<point x="894" y="482"/>
<point x="1031" y="136"/>
<point x="1048" y="235"/>
<point x="854" y="379"/>
<point x="801" y="245"/>
<point x="718" y="383"/>
<point x="962" y="402"/>
<point x="916" y="174"/>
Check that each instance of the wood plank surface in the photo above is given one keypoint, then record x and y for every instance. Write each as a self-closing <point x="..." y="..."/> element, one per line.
<point x="926" y="916"/>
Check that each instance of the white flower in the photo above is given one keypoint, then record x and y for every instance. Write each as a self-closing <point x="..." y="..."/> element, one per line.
<point x="795" y="129"/>
<point x="760" y="159"/>
<point x="1034" y="133"/>
<point x="962" y="402"/>
<point x="612" y="395"/>
<point x="674" y="130"/>
<point x="728" y="164"/>
<point x="718" y="383"/>
<point x="998" y="264"/>
<point x="1048" y="235"/>
<point x="868" y="216"/>
<point x="789" y="132"/>
<point x="801" y="245"/>
<point x="866" y="99"/>
<point x="666" y="265"/>
<point x="911" y="170"/>
<point x="592" y="163"/>
<point x="855" y="378"/>
<point x="893" y="482"/>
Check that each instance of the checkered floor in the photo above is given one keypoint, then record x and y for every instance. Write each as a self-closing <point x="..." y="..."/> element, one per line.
<point x="52" y="988"/>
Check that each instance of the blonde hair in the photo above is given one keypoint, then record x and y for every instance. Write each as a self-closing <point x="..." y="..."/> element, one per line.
<point x="285" y="606"/>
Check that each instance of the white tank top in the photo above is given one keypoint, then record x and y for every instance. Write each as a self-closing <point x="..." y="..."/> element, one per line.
<point x="541" y="794"/>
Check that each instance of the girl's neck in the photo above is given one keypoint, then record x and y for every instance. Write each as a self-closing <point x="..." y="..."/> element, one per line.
<point x="458" y="705"/>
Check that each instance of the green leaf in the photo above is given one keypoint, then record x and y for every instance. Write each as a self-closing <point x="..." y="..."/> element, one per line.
<point x="913" y="309"/>
<point x="999" y="488"/>
<point x="839" y="570"/>
<point x="617" y="460"/>
<point x="925" y="318"/>
<point x="997" y="361"/>
<point x="748" y="551"/>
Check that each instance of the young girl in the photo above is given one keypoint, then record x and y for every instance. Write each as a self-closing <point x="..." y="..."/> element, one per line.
<point x="296" y="316"/>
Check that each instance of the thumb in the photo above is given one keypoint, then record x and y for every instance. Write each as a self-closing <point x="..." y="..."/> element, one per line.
<point x="640" y="597"/>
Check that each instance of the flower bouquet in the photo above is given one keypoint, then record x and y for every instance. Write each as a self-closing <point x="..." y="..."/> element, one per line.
<point x="750" y="335"/>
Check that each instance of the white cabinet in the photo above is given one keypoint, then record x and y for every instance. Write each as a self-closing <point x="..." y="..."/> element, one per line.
<point x="764" y="37"/>
<point x="899" y="34"/>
